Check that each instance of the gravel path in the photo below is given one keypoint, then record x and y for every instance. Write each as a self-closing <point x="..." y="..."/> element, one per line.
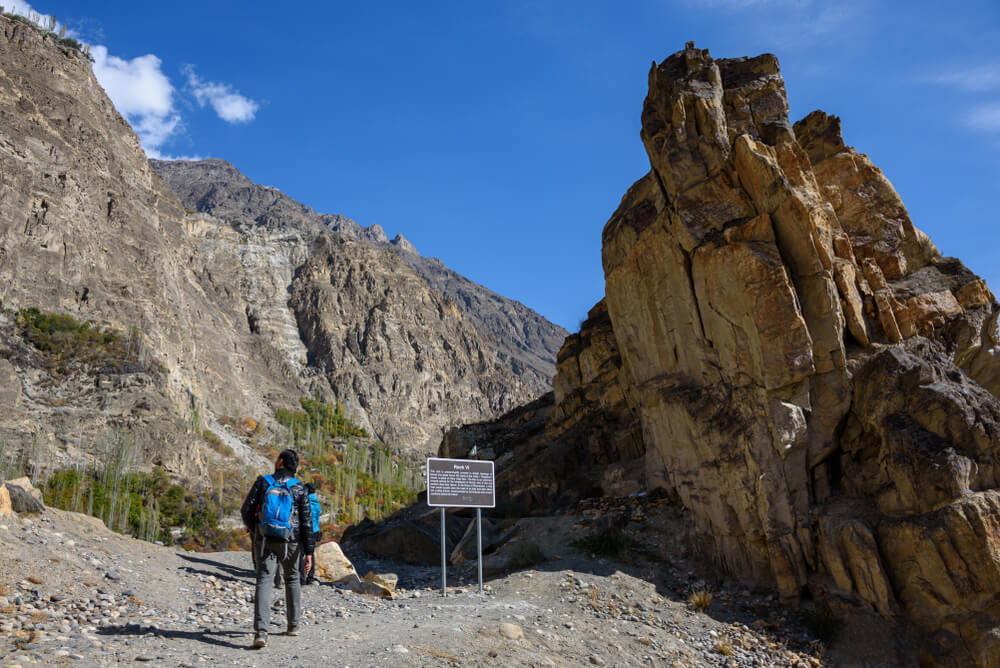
<point x="73" y="593"/>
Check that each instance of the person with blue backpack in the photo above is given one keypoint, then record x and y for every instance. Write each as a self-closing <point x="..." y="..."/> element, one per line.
<point x="278" y="515"/>
<point x="308" y="575"/>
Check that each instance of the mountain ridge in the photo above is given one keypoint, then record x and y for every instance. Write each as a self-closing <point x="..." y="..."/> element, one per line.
<point x="524" y="340"/>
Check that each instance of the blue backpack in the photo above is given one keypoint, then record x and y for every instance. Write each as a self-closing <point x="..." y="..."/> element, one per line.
<point x="314" y="508"/>
<point x="276" y="509"/>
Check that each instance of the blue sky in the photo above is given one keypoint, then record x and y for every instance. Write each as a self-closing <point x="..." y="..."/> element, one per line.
<point x="500" y="136"/>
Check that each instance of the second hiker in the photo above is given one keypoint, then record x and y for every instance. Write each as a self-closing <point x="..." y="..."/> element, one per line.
<point x="308" y="575"/>
<point x="277" y="512"/>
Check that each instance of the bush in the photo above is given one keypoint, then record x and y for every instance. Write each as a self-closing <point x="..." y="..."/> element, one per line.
<point x="217" y="443"/>
<point x="70" y="42"/>
<point x="700" y="600"/>
<point x="62" y="341"/>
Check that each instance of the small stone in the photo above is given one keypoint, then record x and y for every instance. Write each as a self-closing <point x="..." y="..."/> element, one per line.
<point x="596" y="660"/>
<point x="511" y="631"/>
<point x="145" y="657"/>
<point x="113" y="575"/>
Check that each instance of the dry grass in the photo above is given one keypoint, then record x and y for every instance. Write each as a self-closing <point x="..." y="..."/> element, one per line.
<point x="595" y="597"/>
<point x="723" y="647"/>
<point x="4" y="590"/>
<point x="134" y="600"/>
<point x="700" y="600"/>
<point x="39" y="616"/>
<point x="34" y="578"/>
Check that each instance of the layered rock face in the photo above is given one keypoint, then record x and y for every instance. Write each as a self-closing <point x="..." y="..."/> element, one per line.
<point x="523" y="340"/>
<point x="579" y="441"/>
<point x="812" y="380"/>
<point x="89" y="229"/>
<point x="395" y="352"/>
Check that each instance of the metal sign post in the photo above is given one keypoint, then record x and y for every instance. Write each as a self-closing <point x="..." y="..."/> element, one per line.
<point x="460" y="483"/>
<point x="479" y="545"/>
<point x="444" y="566"/>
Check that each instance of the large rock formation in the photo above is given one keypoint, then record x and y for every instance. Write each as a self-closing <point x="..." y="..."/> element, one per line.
<point x="812" y="380"/>
<point x="523" y="340"/>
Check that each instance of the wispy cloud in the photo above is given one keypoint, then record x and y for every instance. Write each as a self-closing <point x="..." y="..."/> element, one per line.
<point x="142" y="93"/>
<point x="985" y="117"/>
<point x="227" y="103"/>
<point x="978" y="79"/>
<point x="790" y="21"/>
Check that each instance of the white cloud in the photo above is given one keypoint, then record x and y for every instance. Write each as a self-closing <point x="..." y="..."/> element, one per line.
<point x="227" y="103"/>
<point x="142" y="93"/>
<point x="985" y="117"/>
<point x="978" y="79"/>
<point x="25" y="10"/>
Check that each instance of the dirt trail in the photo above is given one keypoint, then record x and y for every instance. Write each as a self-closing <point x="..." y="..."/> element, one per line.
<point x="77" y="594"/>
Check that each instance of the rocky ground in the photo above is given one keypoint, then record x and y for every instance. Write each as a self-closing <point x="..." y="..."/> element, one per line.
<point x="74" y="593"/>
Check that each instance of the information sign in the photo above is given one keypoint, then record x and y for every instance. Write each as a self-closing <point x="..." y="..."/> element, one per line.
<point x="464" y="483"/>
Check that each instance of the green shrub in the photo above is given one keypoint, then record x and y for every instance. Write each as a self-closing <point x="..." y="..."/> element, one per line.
<point x="217" y="444"/>
<point x="63" y="341"/>
<point x="70" y="42"/>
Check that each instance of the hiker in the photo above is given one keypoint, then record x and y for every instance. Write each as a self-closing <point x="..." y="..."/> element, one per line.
<point x="276" y="510"/>
<point x="308" y="575"/>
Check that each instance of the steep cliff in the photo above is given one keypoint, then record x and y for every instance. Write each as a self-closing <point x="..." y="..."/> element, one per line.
<point x="178" y="317"/>
<point x="812" y="380"/>
<point x="395" y="352"/>
<point x="87" y="228"/>
<point x="524" y="341"/>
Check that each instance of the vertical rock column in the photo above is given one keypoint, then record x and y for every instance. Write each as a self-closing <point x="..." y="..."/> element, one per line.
<point x="720" y="285"/>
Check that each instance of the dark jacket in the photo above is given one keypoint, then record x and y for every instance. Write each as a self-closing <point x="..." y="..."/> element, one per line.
<point x="301" y="520"/>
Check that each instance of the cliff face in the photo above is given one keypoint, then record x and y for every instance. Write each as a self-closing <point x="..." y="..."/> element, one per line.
<point x="395" y="352"/>
<point x="201" y="304"/>
<point x="812" y="380"/>
<point x="87" y="228"/>
<point x="524" y="341"/>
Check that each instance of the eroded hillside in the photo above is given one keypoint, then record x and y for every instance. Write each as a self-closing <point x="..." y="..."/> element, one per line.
<point x="89" y="231"/>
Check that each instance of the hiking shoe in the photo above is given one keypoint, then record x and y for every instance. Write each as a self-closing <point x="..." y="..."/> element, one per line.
<point x="260" y="640"/>
<point x="293" y="630"/>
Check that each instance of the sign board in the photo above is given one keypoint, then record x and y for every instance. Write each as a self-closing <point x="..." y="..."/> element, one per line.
<point x="462" y="483"/>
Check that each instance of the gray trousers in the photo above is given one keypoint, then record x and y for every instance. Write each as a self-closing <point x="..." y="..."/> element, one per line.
<point x="270" y="557"/>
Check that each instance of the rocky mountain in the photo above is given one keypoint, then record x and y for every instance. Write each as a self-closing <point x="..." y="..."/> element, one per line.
<point x="523" y="340"/>
<point x="124" y="318"/>
<point x="783" y="351"/>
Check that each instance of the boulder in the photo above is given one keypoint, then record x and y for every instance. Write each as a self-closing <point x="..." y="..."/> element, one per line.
<point x="25" y="484"/>
<point x="24" y="498"/>
<point x="5" y="503"/>
<point x="331" y="564"/>
<point x="387" y="580"/>
<point x="412" y="535"/>
<point x="465" y="550"/>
